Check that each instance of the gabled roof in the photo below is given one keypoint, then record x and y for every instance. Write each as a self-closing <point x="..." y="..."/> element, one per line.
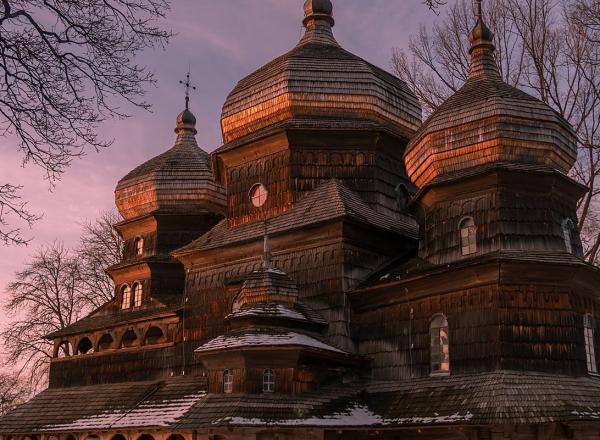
<point x="331" y="200"/>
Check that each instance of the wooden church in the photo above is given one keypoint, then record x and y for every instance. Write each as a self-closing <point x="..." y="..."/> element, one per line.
<point x="338" y="270"/>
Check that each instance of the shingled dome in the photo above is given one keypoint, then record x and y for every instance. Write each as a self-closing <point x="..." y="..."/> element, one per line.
<point x="179" y="180"/>
<point x="319" y="78"/>
<point x="488" y="121"/>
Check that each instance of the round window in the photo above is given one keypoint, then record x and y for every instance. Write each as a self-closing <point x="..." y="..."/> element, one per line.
<point x="258" y="195"/>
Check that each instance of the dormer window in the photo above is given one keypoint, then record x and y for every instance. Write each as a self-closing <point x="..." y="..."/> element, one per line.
<point x="227" y="382"/>
<point x="137" y="294"/>
<point x="139" y="246"/>
<point x="468" y="236"/>
<point x="268" y="381"/>
<point x="258" y="195"/>
<point x="440" y="345"/>
<point x="590" y="347"/>
<point x="125" y="297"/>
<point x="568" y="228"/>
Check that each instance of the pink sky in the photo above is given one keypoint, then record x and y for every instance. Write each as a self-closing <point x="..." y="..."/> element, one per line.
<point x="222" y="41"/>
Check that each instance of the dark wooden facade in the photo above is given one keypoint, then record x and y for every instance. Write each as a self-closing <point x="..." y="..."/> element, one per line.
<point x="399" y="281"/>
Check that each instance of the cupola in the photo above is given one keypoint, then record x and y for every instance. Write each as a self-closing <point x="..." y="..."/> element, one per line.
<point x="178" y="180"/>
<point x="318" y="78"/>
<point x="488" y="121"/>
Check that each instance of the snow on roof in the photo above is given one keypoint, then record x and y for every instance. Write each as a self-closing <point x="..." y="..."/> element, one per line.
<point x="355" y="415"/>
<point x="272" y="310"/>
<point x="255" y="339"/>
<point x="148" y="414"/>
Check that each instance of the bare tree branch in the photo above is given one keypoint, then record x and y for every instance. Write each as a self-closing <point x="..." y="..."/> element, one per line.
<point x="62" y="65"/>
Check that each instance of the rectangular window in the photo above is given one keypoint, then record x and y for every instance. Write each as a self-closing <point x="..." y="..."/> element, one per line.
<point x="590" y="349"/>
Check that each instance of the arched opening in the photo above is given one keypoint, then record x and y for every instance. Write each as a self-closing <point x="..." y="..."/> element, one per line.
<point x="154" y="335"/>
<point x="30" y="437"/>
<point x="568" y="229"/>
<point x="590" y="346"/>
<point x="139" y="246"/>
<point x="106" y="342"/>
<point x="85" y="346"/>
<point x="145" y="437"/>
<point x="64" y="349"/>
<point x="468" y="236"/>
<point x="227" y="382"/>
<point x="125" y="297"/>
<point x="118" y="437"/>
<point x="71" y="437"/>
<point x="268" y="380"/>
<point x="176" y="437"/>
<point x="129" y="339"/>
<point x="440" y="345"/>
<point x="137" y="294"/>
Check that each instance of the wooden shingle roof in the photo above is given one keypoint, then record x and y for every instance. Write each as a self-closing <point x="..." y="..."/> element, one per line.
<point x="331" y="200"/>
<point x="318" y="78"/>
<point x="492" y="398"/>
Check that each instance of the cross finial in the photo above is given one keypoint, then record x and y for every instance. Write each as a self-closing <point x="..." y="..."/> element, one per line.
<point x="188" y="85"/>
<point x="479" y="10"/>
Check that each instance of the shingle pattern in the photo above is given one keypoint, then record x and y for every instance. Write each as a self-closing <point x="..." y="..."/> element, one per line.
<point x="116" y="317"/>
<point x="318" y="77"/>
<point x="299" y="312"/>
<point x="501" y="397"/>
<point x="331" y="200"/>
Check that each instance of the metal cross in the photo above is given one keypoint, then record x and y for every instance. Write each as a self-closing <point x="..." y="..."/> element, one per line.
<point x="188" y="85"/>
<point x="479" y="9"/>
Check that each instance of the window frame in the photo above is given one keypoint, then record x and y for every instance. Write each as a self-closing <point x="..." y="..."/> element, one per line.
<point x="268" y="380"/>
<point x="137" y="300"/>
<point x="439" y="351"/>
<point x="589" y="335"/>
<point x="467" y="229"/>
<point x="138" y="246"/>
<point x="125" y="294"/>
<point x="568" y="228"/>
<point x="228" y="382"/>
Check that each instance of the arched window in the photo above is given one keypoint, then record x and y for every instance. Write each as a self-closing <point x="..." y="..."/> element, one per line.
<point x="468" y="236"/>
<point x="106" y="342"/>
<point x="139" y="246"/>
<point x="64" y="349"/>
<point x="129" y="339"/>
<point x="154" y="335"/>
<point x="137" y="294"/>
<point x="590" y="347"/>
<point x="227" y="382"/>
<point x="125" y="297"/>
<point x="84" y="347"/>
<point x="268" y="381"/>
<point x="568" y="228"/>
<point x="440" y="345"/>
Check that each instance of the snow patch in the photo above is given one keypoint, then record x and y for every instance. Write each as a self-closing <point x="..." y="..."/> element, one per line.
<point x="257" y="339"/>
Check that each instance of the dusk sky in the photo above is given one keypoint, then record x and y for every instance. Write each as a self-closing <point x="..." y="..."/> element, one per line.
<point x="222" y="41"/>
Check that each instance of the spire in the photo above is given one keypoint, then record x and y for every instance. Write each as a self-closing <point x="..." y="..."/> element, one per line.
<point x="483" y="63"/>
<point x="186" y="121"/>
<point x="318" y="21"/>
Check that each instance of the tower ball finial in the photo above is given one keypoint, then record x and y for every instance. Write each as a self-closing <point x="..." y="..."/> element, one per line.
<point x="318" y="10"/>
<point x="481" y="35"/>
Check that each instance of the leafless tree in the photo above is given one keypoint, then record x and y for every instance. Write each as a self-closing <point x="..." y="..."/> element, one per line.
<point x="13" y="392"/>
<point x="62" y="65"/>
<point x="44" y="298"/>
<point x="543" y="47"/>
<point x="100" y="247"/>
<point x="587" y="14"/>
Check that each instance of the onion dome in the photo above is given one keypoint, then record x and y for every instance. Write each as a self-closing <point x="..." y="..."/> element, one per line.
<point x="488" y="121"/>
<point x="317" y="79"/>
<point x="179" y="180"/>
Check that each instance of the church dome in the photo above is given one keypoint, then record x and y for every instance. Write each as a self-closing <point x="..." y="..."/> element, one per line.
<point x="317" y="79"/>
<point x="488" y="121"/>
<point x="178" y="180"/>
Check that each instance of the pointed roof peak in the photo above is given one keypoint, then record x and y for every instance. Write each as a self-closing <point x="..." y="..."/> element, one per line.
<point x="318" y="21"/>
<point x="483" y="63"/>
